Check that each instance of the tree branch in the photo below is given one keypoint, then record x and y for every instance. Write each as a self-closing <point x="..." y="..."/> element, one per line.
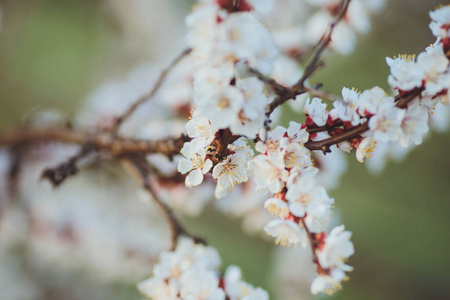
<point x="312" y="66"/>
<point x="139" y="168"/>
<point x="321" y="94"/>
<point x="115" y="146"/>
<point x="121" y="119"/>
<point x="314" y="63"/>
<point x="60" y="173"/>
<point x="312" y="242"/>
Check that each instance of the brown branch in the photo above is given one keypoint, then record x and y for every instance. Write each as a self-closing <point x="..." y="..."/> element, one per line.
<point x="313" y="65"/>
<point x="279" y="89"/>
<point x="60" y="173"/>
<point x="105" y="142"/>
<point x="325" y="144"/>
<point x="312" y="242"/>
<point x="139" y="168"/>
<point x="120" y="146"/>
<point x="321" y="94"/>
<point x="325" y="127"/>
<point x="121" y="119"/>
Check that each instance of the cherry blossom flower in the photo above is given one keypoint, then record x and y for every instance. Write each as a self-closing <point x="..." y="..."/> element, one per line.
<point x="270" y="144"/>
<point x="385" y="124"/>
<point x="365" y="149"/>
<point x="332" y="256"/>
<point x="370" y="101"/>
<point x="200" y="127"/>
<point x="195" y="162"/>
<point x="406" y="74"/>
<point x="316" y="110"/>
<point x="252" y="115"/>
<point x="414" y="124"/>
<point x="236" y="288"/>
<point x="202" y="284"/>
<point x="191" y="271"/>
<point x="295" y="155"/>
<point x="346" y="110"/>
<point x="328" y="284"/>
<point x="296" y="134"/>
<point x="440" y="22"/>
<point x="244" y="37"/>
<point x="223" y="106"/>
<point x="286" y="232"/>
<point x="306" y="197"/>
<point x="270" y="173"/>
<point x="229" y="173"/>
<point x="338" y="247"/>
<point x="434" y="63"/>
<point x="277" y="207"/>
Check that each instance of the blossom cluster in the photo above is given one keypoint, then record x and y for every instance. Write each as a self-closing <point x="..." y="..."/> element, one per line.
<point x="302" y="206"/>
<point x="280" y="191"/>
<point x="191" y="271"/>
<point x="226" y="92"/>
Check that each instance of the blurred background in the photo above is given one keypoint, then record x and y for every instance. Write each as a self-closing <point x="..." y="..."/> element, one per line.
<point x="54" y="53"/>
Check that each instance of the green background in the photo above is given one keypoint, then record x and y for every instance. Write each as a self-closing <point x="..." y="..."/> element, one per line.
<point x="52" y="53"/>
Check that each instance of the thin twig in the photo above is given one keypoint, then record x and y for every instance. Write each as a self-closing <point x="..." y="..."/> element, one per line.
<point x="312" y="243"/>
<point x="274" y="85"/>
<point x="322" y="94"/>
<point x="323" y="43"/>
<point x="140" y="170"/>
<point x="121" y="119"/>
<point x="313" y="65"/>
<point x="61" y="172"/>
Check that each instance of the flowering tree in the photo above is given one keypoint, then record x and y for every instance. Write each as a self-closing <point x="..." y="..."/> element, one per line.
<point x="244" y="60"/>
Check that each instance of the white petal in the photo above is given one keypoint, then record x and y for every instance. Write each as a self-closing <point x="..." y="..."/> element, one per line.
<point x="195" y="177"/>
<point x="185" y="165"/>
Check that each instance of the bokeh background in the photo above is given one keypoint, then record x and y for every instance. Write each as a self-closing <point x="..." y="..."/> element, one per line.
<point x="53" y="53"/>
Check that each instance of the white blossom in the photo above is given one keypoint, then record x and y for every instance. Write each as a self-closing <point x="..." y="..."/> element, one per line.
<point x="271" y="143"/>
<point x="370" y="101"/>
<point x="346" y="110"/>
<point x="286" y="232"/>
<point x="223" y="106"/>
<point x="237" y="289"/>
<point x="195" y="162"/>
<point x="365" y="148"/>
<point x="244" y="37"/>
<point x="200" y="127"/>
<point x="332" y="256"/>
<point x="201" y="284"/>
<point x="296" y="134"/>
<point x="277" y="207"/>
<point x="327" y="284"/>
<point x="338" y="247"/>
<point x="414" y="124"/>
<point x="229" y="173"/>
<point x="316" y="110"/>
<point x="440" y="22"/>
<point x="434" y="63"/>
<point x="252" y="115"/>
<point x="270" y="173"/>
<point x="306" y="197"/>
<point x="406" y="74"/>
<point x="385" y="124"/>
